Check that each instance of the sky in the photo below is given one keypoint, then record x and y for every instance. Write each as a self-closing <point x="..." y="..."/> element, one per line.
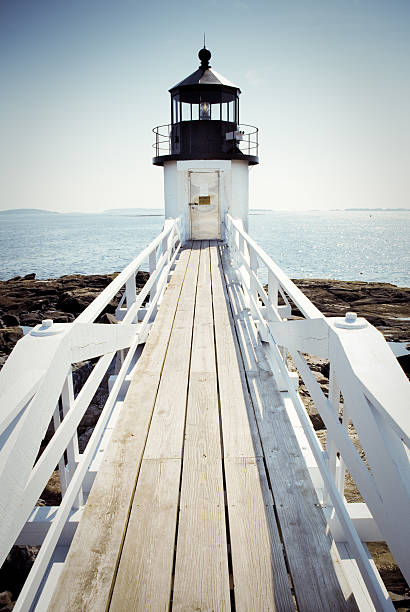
<point x="327" y="82"/>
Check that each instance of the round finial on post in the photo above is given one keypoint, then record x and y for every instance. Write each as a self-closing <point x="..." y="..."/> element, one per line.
<point x="350" y="317"/>
<point x="350" y="321"/>
<point x="204" y="55"/>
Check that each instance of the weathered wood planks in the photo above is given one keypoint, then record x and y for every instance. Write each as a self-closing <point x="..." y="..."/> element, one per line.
<point x="202" y="452"/>
<point x="259" y="571"/>
<point x="89" y="571"/>
<point x="201" y="568"/>
<point x="314" y="564"/>
<point x="144" y="577"/>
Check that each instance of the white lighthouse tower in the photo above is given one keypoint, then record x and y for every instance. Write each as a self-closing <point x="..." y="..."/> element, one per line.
<point x="206" y="153"/>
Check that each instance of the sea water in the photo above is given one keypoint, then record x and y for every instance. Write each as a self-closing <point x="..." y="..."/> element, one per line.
<point x="345" y="245"/>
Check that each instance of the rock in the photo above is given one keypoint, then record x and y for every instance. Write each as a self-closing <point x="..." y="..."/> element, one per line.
<point x="382" y="304"/>
<point x="107" y="318"/>
<point x="10" y="320"/>
<point x="81" y="372"/>
<point x="5" y="598"/>
<point x="31" y="319"/>
<point x="16" y="567"/>
<point x="404" y="361"/>
<point x="77" y="300"/>
<point x="8" y="338"/>
<point x="83" y="439"/>
<point x="58" y="316"/>
<point x="31" y="276"/>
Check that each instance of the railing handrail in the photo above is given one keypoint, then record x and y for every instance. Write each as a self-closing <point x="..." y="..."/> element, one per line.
<point x="298" y="297"/>
<point x="92" y="311"/>
<point x="375" y="390"/>
<point x="49" y="388"/>
<point x="373" y="386"/>
<point x="163" y="140"/>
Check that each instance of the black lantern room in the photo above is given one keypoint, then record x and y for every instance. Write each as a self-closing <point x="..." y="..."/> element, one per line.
<point x="205" y="120"/>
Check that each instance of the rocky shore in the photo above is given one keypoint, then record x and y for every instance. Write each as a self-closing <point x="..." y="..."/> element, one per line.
<point x="27" y="301"/>
<point x="385" y="306"/>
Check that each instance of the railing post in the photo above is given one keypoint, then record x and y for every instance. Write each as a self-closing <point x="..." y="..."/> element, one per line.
<point x="273" y="289"/>
<point x="61" y="463"/>
<point x="340" y="482"/>
<point x="331" y="448"/>
<point x="152" y="267"/>
<point x="164" y="247"/>
<point x="131" y="293"/>
<point x="254" y="265"/>
<point x="67" y="400"/>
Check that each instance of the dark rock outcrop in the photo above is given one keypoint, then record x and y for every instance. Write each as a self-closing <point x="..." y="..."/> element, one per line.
<point x="382" y="304"/>
<point x="27" y="301"/>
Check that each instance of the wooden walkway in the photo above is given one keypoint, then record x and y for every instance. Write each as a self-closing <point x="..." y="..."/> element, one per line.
<point x="203" y="500"/>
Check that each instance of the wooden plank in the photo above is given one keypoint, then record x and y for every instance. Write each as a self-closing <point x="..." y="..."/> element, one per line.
<point x="144" y="575"/>
<point x="260" y="576"/>
<point x="240" y="434"/>
<point x="86" y="580"/>
<point x="201" y="568"/>
<point x="314" y="563"/>
<point x="165" y="437"/>
<point x="259" y="570"/>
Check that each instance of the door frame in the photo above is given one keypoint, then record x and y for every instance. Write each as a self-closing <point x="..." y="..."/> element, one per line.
<point x="216" y="171"/>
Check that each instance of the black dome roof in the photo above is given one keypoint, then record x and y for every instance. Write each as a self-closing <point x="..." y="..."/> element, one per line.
<point x="205" y="75"/>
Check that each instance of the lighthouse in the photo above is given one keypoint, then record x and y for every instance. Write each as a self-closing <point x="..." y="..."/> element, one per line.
<point x="206" y="153"/>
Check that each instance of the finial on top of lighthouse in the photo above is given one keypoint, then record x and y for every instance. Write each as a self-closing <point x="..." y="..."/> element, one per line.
<point x="204" y="55"/>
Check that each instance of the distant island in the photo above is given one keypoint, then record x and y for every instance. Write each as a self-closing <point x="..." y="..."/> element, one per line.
<point x="113" y="211"/>
<point x="24" y="211"/>
<point x="135" y="211"/>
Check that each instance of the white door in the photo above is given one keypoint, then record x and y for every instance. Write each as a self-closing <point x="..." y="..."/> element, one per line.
<point x="204" y="205"/>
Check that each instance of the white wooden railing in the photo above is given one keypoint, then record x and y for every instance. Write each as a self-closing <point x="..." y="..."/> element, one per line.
<point x="36" y="386"/>
<point x="376" y="400"/>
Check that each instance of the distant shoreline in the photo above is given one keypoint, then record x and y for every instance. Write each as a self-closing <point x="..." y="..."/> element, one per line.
<point x="156" y="212"/>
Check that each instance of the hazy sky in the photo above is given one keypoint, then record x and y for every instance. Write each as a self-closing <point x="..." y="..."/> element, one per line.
<point x="84" y="81"/>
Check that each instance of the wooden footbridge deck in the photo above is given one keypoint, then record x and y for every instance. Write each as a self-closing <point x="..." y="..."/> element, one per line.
<point x="203" y="500"/>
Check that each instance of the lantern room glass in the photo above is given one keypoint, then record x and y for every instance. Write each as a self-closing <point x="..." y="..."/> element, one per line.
<point x="204" y="107"/>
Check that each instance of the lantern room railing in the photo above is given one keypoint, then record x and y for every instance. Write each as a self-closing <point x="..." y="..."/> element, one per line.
<point x="246" y="138"/>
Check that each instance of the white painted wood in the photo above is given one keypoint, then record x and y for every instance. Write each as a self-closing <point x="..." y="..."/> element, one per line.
<point x="54" y="354"/>
<point x="16" y="394"/>
<point x="61" y="463"/>
<point x="355" y="579"/>
<point x="378" y="373"/>
<point x="40" y="521"/>
<point x="351" y="535"/>
<point x="96" y="307"/>
<point x="362" y="519"/>
<point x="51" y="575"/>
<point x="20" y="450"/>
<point x="309" y="335"/>
<point x="303" y="303"/>
<point x="382" y="422"/>
<point x="67" y="401"/>
<point x="295" y="500"/>
<point x="374" y="398"/>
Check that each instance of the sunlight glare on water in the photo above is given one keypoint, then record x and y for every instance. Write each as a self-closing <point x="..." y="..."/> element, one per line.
<point x="346" y="245"/>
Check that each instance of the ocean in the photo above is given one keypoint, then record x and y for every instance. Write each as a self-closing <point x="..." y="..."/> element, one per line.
<point x="346" y="245"/>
